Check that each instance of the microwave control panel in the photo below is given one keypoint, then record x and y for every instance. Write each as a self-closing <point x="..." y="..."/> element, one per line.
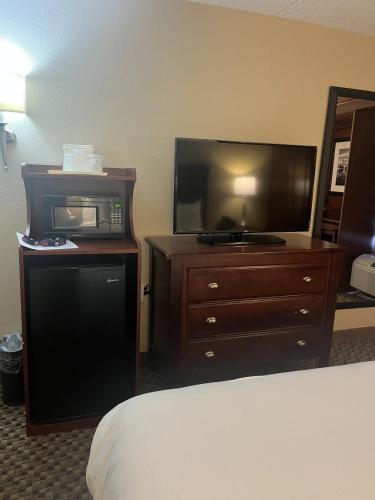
<point x="117" y="216"/>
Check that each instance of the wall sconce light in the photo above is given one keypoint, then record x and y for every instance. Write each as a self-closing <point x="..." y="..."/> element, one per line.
<point x="12" y="99"/>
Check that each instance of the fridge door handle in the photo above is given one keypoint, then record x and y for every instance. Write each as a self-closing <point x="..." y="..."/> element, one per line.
<point x="110" y="280"/>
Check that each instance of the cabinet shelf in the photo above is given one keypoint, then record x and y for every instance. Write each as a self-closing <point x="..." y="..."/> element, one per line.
<point x="89" y="247"/>
<point x="113" y="174"/>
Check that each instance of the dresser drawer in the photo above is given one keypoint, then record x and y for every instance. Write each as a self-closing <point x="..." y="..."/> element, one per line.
<point x="256" y="281"/>
<point x="240" y="317"/>
<point x="258" y="348"/>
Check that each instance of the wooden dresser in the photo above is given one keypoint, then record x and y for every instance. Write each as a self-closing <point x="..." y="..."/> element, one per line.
<point x="214" y="307"/>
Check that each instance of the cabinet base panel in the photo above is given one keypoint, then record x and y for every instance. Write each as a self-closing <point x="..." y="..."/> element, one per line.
<point x="33" y="429"/>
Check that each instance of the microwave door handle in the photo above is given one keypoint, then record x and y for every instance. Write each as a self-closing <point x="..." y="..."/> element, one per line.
<point x="104" y="214"/>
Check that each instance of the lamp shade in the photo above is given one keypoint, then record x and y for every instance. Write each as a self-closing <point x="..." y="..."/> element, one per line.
<point x="244" y="186"/>
<point x="12" y="92"/>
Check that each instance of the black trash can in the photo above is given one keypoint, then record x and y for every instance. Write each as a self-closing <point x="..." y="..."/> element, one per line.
<point x="11" y="371"/>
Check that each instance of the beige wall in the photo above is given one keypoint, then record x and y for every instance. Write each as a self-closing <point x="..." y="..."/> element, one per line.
<point x="354" y="318"/>
<point x="132" y="75"/>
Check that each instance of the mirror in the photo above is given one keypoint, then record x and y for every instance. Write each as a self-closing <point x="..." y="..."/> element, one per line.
<point x="345" y="208"/>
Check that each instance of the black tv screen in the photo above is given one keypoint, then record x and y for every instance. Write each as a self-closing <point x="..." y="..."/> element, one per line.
<point x="230" y="187"/>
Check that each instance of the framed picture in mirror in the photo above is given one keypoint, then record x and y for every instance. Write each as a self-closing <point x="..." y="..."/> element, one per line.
<point x="340" y="165"/>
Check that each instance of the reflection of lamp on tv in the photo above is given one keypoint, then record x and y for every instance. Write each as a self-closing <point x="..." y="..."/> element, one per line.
<point x="244" y="186"/>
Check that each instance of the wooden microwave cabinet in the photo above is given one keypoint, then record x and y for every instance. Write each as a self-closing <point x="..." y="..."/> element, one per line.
<point x="80" y="309"/>
<point x="215" y="307"/>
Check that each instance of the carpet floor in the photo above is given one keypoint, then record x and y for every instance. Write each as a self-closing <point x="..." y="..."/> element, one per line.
<point x="53" y="467"/>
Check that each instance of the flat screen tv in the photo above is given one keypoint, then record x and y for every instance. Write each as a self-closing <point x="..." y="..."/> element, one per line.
<point x="231" y="190"/>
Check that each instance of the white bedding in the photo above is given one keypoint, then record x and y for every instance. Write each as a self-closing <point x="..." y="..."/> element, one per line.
<point x="306" y="435"/>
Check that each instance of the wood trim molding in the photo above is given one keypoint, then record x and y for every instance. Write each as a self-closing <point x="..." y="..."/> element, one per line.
<point x="334" y="94"/>
<point x="368" y="331"/>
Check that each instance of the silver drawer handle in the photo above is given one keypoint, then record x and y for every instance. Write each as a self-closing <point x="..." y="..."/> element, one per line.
<point x="212" y="320"/>
<point x="301" y="343"/>
<point x="304" y="311"/>
<point x="307" y="279"/>
<point x="209" y="354"/>
<point x="213" y="285"/>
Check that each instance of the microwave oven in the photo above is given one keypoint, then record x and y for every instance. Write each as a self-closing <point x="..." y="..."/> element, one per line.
<point x="83" y="216"/>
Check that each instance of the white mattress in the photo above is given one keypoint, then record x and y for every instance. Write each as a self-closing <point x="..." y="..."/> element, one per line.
<point x="290" y="436"/>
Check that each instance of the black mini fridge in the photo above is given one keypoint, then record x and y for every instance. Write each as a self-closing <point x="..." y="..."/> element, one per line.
<point x="76" y="341"/>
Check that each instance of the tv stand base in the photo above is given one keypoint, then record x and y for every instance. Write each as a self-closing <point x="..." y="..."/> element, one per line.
<point x="239" y="239"/>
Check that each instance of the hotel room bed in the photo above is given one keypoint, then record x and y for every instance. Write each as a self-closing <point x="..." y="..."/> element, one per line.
<point x="290" y="436"/>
